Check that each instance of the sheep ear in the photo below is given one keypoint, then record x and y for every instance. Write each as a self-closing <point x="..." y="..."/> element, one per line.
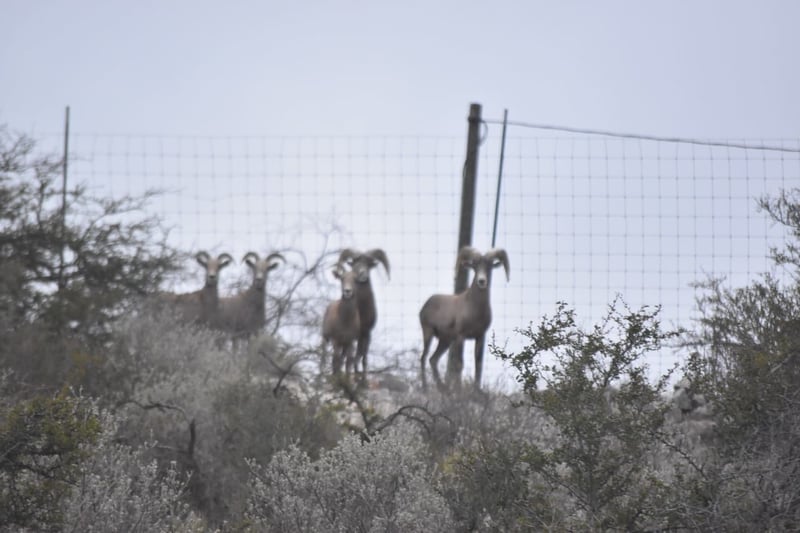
<point x="337" y="271"/>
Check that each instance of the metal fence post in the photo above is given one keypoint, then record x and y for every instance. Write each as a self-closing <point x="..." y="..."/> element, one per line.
<point x="63" y="229"/>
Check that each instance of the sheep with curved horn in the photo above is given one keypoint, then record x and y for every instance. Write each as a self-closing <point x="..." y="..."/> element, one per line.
<point x="341" y="325"/>
<point x="458" y="317"/>
<point x="245" y="314"/>
<point x="200" y="306"/>
<point x="361" y="264"/>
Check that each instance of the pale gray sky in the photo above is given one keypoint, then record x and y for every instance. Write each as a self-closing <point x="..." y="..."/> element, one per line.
<point x="719" y="69"/>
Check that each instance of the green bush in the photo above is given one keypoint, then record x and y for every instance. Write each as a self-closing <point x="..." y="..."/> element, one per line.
<point x="606" y="414"/>
<point x="70" y="265"/>
<point x="746" y="361"/>
<point x="43" y="440"/>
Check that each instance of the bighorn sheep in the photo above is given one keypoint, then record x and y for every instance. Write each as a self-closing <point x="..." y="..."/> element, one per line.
<point x="361" y="264"/>
<point x="457" y="317"/>
<point x="245" y="314"/>
<point x="200" y="307"/>
<point x="341" y="325"/>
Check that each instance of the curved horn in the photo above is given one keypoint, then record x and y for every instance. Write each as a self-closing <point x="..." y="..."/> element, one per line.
<point x="466" y="254"/>
<point x="224" y="259"/>
<point x="380" y="255"/>
<point x="275" y="256"/>
<point x="250" y="255"/>
<point x="202" y="258"/>
<point x="347" y="253"/>
<point x="499" y="253"/>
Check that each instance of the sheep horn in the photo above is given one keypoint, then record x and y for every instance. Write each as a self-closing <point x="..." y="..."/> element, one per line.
<point x="499" y="253"/>
<point x="380" y="255"/>
<point x="466" y="254"/>
<point x="275" y="255"/>
<point x="202" y="258"/>
<point x="348" y="253"/>
<point x="250" y="255"/>
<point x="224" y="259"/>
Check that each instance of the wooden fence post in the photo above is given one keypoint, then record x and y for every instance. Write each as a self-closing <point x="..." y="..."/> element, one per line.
<point x="455" y="359"/>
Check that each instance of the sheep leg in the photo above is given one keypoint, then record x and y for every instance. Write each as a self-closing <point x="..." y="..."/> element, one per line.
<point x="361" y="355"/>
<point x="349" y="360"/>
<point x="323" y="357"/>
<point x="479" y="342"/>
<point x="437" y="354"/>
<point x="337" y="360"/>
<point x="427" y="336"/>
<point x="455" y="364"/>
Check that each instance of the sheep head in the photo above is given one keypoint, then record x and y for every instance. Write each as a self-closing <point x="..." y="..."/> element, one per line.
<point x="362" y="263"/>
<point x="347" y="279"/>
<point x="482" y="264"/>
<point x="261" y="267"/>
<point x="213" y="266"/>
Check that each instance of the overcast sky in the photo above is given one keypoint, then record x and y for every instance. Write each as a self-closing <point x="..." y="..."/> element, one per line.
<point x="721" y="69"/>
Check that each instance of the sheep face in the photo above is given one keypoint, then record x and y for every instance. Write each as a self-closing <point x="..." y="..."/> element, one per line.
<point x="482" y="265"/>
<point x="213" y="267"/>
<point x="483" y="273"/>
<point x="348" y="281"/>
<point x="261" y="267"/>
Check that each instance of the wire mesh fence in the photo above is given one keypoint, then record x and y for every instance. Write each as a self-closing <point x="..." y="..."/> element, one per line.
<point x="584" y="218"/>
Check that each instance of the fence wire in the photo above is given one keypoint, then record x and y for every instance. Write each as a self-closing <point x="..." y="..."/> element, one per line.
<point x="584" y="218"/>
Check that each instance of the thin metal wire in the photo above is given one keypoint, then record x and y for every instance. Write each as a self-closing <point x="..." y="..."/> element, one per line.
<point x="681" y="140"/>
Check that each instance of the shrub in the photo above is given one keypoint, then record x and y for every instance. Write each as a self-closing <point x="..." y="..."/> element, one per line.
<point x="746" y="362"/>
<point x="70" y="265"/>
<point x="606" y="414"/>
<point x="382" y="484"/>
<point x="122" y="488"/>
<point x="43" y="442"/>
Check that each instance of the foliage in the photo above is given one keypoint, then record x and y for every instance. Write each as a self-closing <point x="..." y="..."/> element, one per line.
<point x="490" y="487"/>
<point x="70" y="263"/>
<point x="381" y="484"/>
<point x="606" y="413"/>
<point x="207" y="406"/>
<point x="122" y="488"/>
<point x="477" y="440"/>
<point x="785" y="210"/>
<point x="746" y="362"/>
<point x="62" y="469"/>
<point x="42" y="444"/>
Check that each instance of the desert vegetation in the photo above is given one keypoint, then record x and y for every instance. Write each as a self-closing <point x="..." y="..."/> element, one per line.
<point x="118" y="415"/>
